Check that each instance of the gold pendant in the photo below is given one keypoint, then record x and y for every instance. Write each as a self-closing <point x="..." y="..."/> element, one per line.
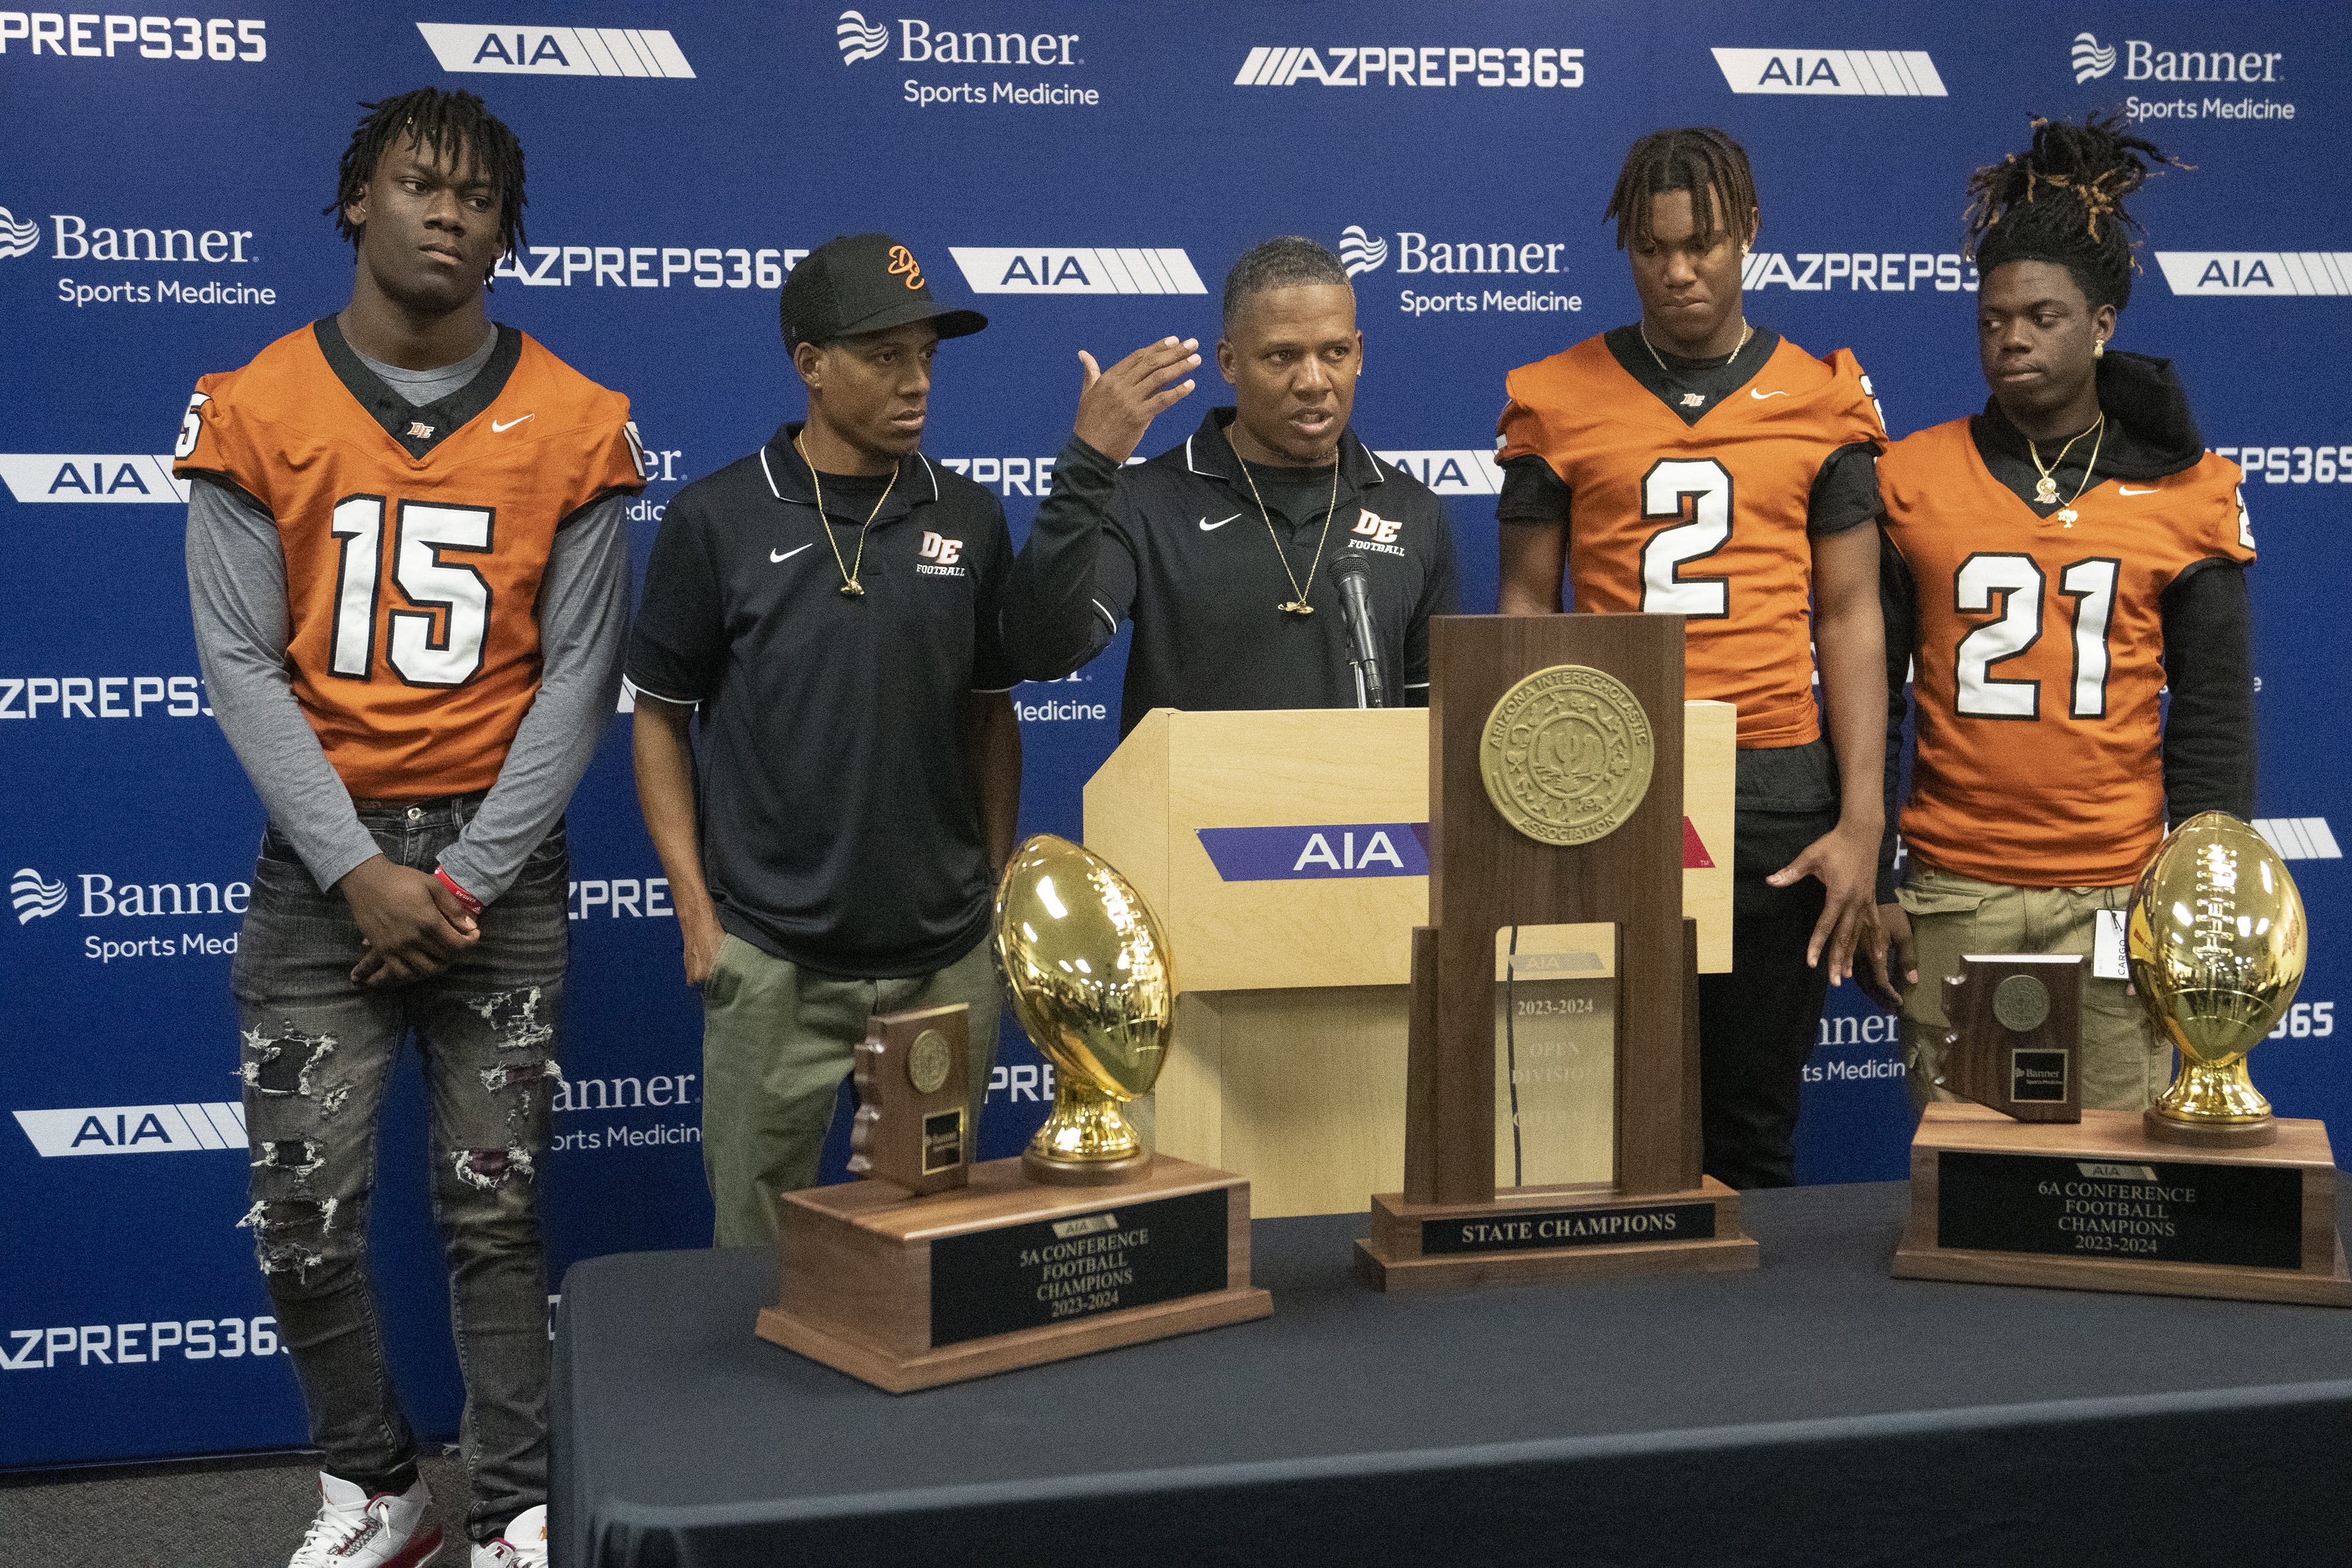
<point x="2046" y="491"/>
<point x="2067" y="516"/>
<point x="1296" y="608"/>
<point x="852" y="590"/>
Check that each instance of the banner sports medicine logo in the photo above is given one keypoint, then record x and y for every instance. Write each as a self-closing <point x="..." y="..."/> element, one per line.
<point x="2257" y="272"/>
<point x="1850" y="73"/>
<point x="1051" y="269"/>
<point x="556" y="51"/>
<point x="17" y="238"/>
<point x="33" y="897"/>
<point x="2208" y="66"/>
<point x="2089" y="60"/>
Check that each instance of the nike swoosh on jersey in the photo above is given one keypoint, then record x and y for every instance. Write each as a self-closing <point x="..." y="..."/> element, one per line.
<point x="1760" y="397"/>
<point x="2127" y="491"/>
<point x="498" y="429"/>
<point x="774" y="555"/>
<point x="1208" y="527"/>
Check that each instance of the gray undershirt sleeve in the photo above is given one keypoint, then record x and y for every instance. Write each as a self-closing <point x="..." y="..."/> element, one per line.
<point x="236" y="593"/>
<point x="584" y="631"/>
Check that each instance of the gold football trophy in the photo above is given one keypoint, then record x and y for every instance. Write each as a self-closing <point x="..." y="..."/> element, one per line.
<point x="1092" y="980"/>
<point x="2217" y="945"/>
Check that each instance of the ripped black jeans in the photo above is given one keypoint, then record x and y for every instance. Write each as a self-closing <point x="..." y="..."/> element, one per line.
<point x="315" y="1057"/>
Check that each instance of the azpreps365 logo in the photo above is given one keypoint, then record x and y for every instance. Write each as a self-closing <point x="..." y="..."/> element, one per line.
<point x="17" y="238"/>
<point x="2091" y="61"/>
<point x="1360" y="252"/>
<point x="861" y="40"/>
<point x="34" y="896"/>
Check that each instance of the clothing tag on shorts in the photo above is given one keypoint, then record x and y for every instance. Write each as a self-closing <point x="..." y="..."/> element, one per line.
<point x="2107" y="947"/>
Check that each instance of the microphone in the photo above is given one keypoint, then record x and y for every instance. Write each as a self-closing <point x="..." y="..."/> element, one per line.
<point x="1353" y="579"/>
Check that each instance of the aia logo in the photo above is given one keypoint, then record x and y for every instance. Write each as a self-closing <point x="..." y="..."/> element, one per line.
<point x="1378" y="529"/>
<point x="939" y="556"/>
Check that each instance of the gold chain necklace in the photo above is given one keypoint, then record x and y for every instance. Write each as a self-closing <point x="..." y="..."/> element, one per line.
<point x="1297" y="604"/>
<point x="2066" y="514"/>
<point x="851" y="588"/>
<point x="2045" y="492"/>
<point x="1692" y="399"/>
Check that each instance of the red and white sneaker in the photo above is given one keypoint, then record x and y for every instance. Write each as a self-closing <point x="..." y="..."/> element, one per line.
<point x="356" y="1531"/>
<point x="523" y="1545"/>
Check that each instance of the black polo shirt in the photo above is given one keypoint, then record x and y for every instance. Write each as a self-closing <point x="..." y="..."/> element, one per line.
<point x="1180" y="546"/>
<point x="838" y="813"/>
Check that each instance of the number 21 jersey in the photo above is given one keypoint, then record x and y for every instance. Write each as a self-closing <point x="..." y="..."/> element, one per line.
<point x="1704" y="518"/>
<point x="2040" y="659"/>
<point x="415" y="539"/>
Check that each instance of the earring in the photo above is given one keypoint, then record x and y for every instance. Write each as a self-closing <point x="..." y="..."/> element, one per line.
<point x="2098" y="348"/>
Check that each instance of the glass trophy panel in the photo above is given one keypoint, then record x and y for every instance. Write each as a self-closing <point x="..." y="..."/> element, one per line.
<point x="1555" y="1054"/>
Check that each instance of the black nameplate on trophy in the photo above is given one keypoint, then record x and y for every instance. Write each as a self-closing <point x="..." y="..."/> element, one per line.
<point x="1125" y="1255"/>
<point x="2246" y="1215"/>
<point x="2037" y="1075"/>
<point x="1631" y="1223"/>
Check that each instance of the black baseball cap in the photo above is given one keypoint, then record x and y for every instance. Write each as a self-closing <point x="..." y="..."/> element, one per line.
<point x="863" y="283"/>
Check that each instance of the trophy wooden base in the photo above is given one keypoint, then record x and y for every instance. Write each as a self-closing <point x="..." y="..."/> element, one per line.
<point x="2103" y="1206"/>
<point x="1528" y="1234"/>
<point x="2218" y="1135"/>
<point x="912" y="1292"/>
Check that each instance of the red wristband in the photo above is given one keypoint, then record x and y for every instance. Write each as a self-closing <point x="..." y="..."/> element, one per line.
<point x="473" y="905"/>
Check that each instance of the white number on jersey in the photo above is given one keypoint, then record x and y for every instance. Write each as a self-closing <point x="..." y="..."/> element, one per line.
<point x="2014" y="585"/>
<point x="422" y="535"/>
<point x="1706" y="484"/>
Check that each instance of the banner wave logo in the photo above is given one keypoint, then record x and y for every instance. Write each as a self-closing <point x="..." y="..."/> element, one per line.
<point x="1361" y="252"/>
<point x="2090" y="60"/>
<point x="33" y="897"/>
<point x="16" y="238"/>
<point x="860" y="41"/>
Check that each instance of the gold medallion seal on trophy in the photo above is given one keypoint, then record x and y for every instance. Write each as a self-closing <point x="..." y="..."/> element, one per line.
<point x="2217" y="945"/>
<point x="1091" y="979"/>
<point x="1566" y="754"/>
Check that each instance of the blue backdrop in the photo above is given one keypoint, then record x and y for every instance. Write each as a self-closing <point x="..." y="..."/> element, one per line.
<point x="1084" y="174"/>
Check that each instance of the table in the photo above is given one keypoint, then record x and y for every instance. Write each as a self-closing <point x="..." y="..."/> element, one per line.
<point x="1812" y="1411"/>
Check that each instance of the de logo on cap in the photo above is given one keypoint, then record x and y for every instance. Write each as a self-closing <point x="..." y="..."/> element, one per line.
<point x="862" y="283"/>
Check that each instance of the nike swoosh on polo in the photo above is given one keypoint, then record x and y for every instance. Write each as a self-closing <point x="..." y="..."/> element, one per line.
<point x="1760" y="397"/>
<point x="498" y="429"/>
<point x="2127" y="491"/>
<point x="1208" y="527"/>
<point x="776" y="555"/>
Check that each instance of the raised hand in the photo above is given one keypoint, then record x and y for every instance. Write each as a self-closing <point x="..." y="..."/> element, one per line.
<point x="1116" y="406"/>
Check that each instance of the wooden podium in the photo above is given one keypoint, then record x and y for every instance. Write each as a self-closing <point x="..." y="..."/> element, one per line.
<point x="1289" y="1059"/>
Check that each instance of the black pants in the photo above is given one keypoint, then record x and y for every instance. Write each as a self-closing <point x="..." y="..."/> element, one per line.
<point x="1758" y="1024"/>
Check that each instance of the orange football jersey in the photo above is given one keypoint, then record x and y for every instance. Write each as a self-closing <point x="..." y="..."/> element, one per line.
<point x="2040" y="660"/>
<point x="1706" y="519"/>
<point x="412" y="581"/>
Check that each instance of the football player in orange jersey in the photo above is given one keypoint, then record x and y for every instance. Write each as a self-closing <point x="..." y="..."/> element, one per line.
<point x="1693" y="464"/>
<point x="2052" y="563"/>
<point x="408" y="566"/>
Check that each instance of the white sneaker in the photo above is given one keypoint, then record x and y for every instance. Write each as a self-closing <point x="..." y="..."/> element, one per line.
<point x="356" y="1531"/>
<point x="524" y="1544"/>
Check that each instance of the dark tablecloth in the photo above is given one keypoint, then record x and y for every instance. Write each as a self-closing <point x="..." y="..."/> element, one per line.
<point x="1814" y="1411"/>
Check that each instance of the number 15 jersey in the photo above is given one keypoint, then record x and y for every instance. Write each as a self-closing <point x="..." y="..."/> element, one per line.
<point x="1705" y="518"/>
<point x="415" y="539"/>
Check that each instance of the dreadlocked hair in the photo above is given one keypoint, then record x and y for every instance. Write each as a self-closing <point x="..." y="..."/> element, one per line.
<point x="458" y="124"/>
<point x="1697" y="158"/>
<point x="2061" y="201"/>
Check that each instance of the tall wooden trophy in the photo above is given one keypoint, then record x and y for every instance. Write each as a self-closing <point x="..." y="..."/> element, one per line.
<point x="2206" y="1193"/>
<point x="1556" y="856"/>
<point x="934" y="1269"/>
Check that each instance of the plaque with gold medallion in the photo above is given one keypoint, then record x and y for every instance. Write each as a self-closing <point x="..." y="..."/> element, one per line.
<point x="1087" y="1241"/>
<point x="2204" y="1193"/>
<point x="1566" y="754"/>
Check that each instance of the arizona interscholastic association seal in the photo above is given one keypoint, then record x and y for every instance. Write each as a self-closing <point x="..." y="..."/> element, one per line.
<point x="929" y="1060"/>
<point x="1566" y="754"/>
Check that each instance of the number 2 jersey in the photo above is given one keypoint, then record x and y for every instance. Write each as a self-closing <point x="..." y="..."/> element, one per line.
<point x="2040" y="655"/>
<point x="1706" y="516"/>
<point x="415" y="539"/>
